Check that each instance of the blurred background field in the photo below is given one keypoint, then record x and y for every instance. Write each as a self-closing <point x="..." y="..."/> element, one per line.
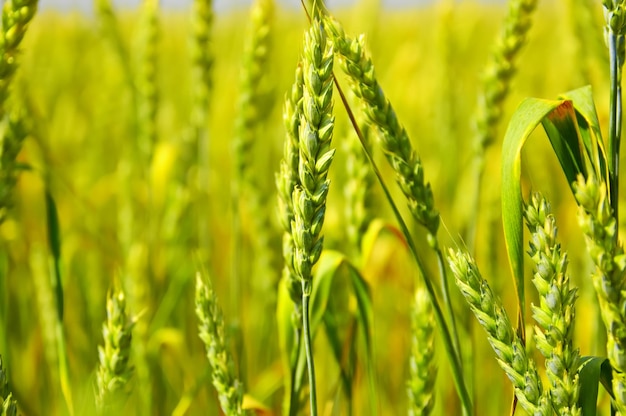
<point x="71" y="82"/>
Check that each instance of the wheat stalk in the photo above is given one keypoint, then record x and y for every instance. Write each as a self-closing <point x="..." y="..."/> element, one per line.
<point x="286" y="181"/>
<point x="13" y="131"/>
<point x="8" y="403"/>
<point x="315" y="156"/>
<point x="114" y="370"/>
<point x="202" y="63"/>
<point x="212" y="332"/>
<point x="508" y="346"/>
<point x="556" y="311"/>
<point x="250" y="106"/>
<point x="146" y="78"/>
<point x="16" y="15"/>
<point x="422" y="368"/>
<point x="394" y="138"/>
<point x="597" y="220"/>
<point x="615" y="32"/>
<point x="396" y="146"/>
<point x="499" y="72"/>
<point x="358" y="188"/>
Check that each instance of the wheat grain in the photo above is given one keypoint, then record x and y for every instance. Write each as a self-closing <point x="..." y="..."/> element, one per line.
<point x="212" y="332"/>
<point x="13" y="131"/>
<point x="358" y="188"/>
<point x="9" y="404"/>
<point x="250" y="109"/>
<point x="16" y="15"/>
<point x="146" y="78"/>
<point x="422" y="368"/>
<point x="509" y="348"/>
<point x="114" y="370"/>
<point x="600" y="228"/>
<point x="556" y="311"/>
<point x="286" y="181"/>
<point x="394" y="139"/>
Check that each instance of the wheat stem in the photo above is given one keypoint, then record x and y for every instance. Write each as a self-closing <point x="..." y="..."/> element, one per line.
<point x="422" y="368"/>
<point x="507" y="344"/>
<point x="212" y="332"/>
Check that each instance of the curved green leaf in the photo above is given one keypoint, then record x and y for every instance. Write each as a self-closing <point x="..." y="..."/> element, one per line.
<point x="592" y="372"/>
<point x="572" y="127"/>
<point x="332" y="267"/>
<point x="54" y="241"/>
<point x="526" y="118"/>
<point x="589" y="128"/>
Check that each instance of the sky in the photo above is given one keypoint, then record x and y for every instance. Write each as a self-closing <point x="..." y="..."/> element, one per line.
<point x="86" y="5"/>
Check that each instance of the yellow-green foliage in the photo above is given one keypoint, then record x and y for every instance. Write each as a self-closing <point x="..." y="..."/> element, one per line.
<point x="80" y="103"/>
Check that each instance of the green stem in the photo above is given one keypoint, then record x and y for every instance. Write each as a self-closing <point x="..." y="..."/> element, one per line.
<point x="474" y="205"/>
<point x="294" y="393"/>
<point x="615" y="119"/>
<point x="306" y="295"/>
<point x="453" y="357"/>
<point x="448" y="302"/>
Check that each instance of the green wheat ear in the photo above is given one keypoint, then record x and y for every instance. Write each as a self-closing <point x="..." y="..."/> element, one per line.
<point x="212" y="332"/>
<point x="9" y="405"/>
<point x="597" y="220"/>
<point x="16" y="15"/>
<point x="286" y="180"/>
<point x="422" y="368"/>
<point x="146" y="78"/>
<point x="509" y="348"/>
<point x="393" y="137"/>
<point x="12" y="135"/>
<point x="114" y="370"/>
<point x="556" y="311"/>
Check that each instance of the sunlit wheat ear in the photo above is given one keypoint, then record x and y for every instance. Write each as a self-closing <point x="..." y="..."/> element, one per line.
<point x="500" y="70"/>
<point x="213" y="335"/>
<point x="8" y="403"/>
<point x="315" y="154"/>
<point x="16" y="15"/>
<point x="251" y="101"/>
<point x="114" y="370"/>
<point x="422" y="368"/>
<point x="146" y="78"/>
<point x="286" y="180"/>
<point x="12" y="134"/>
<point x="358" y="188"/>
<point x="202" y="61"/>
<point x="510" y="351"/>
<point x="600" y="228"/>
<point x="556" y="311"/>
<point x="394" y="139"/>
<point x="249" y="189"/>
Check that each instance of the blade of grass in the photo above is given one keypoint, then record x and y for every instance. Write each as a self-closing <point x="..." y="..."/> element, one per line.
<point x="526" y="118"/>
<point x="54" y="241"/>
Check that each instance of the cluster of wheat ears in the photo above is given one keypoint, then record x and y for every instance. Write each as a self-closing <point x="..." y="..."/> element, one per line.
<point x="335" y="72"/>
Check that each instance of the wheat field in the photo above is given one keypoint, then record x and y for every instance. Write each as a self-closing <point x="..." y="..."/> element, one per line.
<point x="145" y="189"/>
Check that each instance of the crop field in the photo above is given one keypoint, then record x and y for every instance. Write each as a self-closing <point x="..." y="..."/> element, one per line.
<point x="311" y="211"/>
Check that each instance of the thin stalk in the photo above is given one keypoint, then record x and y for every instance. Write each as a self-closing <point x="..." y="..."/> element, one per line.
<point x="293" y="394"/>
<point x="615" y="120"/>
<point x="448" y="302"/>
<point x="306" y="330"/>
<point x="453" y="358"/>
<point x="236" y="291"/>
